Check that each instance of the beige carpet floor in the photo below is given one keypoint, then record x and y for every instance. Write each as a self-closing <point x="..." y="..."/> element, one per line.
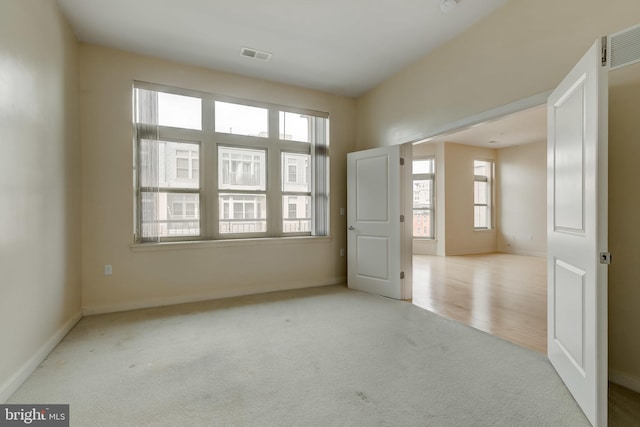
<point x="317" y="357"/>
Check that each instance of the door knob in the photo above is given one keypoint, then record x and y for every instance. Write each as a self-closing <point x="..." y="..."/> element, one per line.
<point x="351" y="228"/>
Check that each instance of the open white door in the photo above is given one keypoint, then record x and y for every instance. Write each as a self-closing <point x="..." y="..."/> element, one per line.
<point x="374" y="200"/>
<point x="577" y="232"/>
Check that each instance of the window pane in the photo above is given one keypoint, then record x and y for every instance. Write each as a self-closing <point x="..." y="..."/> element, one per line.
<point x="242" y="169"/>
<point x="295" y="127"/>
<point x="422" y="224"/>
<point x="242" y="213"/>
<point x="297" y="214"/>
<point x="179" y="111"/>
<point x="481" y="217"/>
<point x="422" y="193"/>
<point x="240" y="119"/>
<point x="480" y="192"/>
<point x="168" y="164"/>
<point x="170" y="214"/>
<point x="296" y="172"/>
<point x="481" y="167"/>
<point x="423" y="166"/>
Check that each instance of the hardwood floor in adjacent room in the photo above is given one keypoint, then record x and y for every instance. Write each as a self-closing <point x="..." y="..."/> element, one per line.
<point x="502" y="294"/>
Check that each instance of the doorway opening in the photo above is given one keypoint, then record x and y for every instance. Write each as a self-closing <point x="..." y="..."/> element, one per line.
<point x="486" y="267"/>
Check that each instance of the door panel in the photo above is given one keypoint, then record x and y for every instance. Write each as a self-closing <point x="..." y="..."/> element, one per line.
<point x="373" y="257"/>
<point x="569" y="165"/>
<point x="577" y="233"/>
<point x="569" y="309"/>
<point x="372" y="189"/>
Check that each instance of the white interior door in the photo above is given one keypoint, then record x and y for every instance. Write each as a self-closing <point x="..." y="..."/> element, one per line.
<point x="373" y="220"/>
<point x="577" y="232"/>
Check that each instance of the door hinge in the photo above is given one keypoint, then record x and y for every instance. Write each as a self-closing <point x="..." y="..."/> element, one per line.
<point x="401" y="161"/>
<point x="604" y="51"/>
<point x="401" y="218"/>
<point x="605" y="257"/>
<point x="402" y="275"/>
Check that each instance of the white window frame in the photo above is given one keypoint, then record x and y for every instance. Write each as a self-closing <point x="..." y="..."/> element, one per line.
<point x="427" y="177"/>
<point x="209" y="190"/>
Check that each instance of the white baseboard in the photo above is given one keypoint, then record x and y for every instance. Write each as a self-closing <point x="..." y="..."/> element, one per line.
<point x="470" y="252"/>
<point x="15" y="381"/>
<point x="525" y="253"/>
<point x="225" y="293"/>
<point x="625" y="380"/>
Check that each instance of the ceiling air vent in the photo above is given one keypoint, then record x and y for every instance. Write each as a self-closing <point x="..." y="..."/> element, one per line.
<point x="625" y="47"/>
<point x="255" y="54"/>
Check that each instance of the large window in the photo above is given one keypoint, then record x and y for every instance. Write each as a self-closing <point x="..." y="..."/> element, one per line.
<point x="482" y="194"/>
<point x="423" y="198"/>
<point x="210" y="167"/>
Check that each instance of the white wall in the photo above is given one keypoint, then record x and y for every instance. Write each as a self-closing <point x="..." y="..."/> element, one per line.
<point x="187" y="272"/>
<point x="39" y="186"/>
<point x="521" y="187"/>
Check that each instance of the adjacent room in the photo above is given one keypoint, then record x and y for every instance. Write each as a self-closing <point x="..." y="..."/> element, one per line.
<point x="479" y="236"/>
<point x="174" y="234"/>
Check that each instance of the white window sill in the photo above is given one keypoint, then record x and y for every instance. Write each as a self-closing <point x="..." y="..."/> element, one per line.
<point x="199" y="244"/>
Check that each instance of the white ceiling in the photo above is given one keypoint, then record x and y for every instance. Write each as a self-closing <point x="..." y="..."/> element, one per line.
<point x="338" y="46"/>
<point x="518" y="128"/>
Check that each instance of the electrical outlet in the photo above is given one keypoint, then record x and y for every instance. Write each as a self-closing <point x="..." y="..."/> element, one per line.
<point x="342" y="252"/>
<point x="108" y="270"/>
<point x="341" y="211"/>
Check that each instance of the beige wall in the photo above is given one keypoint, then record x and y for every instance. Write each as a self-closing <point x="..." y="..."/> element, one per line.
<point x="524" y="48"/>
<point x="521" y="187"/>
<point x="624" y="228"/>
<point x="39" y="186"/>
<point x="187" y="272"/>
<point x="460" y="236"/>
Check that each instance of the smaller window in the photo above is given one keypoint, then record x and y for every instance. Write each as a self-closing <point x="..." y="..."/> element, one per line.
<point x="187" y="164"/>
<point x="292" y="176"/>
<point x="423" y="198"/>
<point x="482" y="194"/>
